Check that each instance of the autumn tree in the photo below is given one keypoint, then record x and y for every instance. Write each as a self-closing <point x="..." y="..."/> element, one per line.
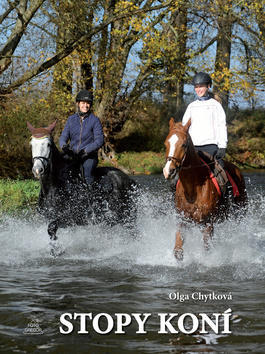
<point x="24" y="10"/>
<point x="72" y="20"/>
<point x="95" y="42"/>
<point x="250" y="38"/>
<point x="177" y="61"/>
<point x="230" y="31"/>
<point x="224" y="22"/>
<point x="113" y="98"/>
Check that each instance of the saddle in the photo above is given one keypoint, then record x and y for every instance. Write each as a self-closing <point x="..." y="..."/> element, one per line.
<point x="224" y="180"/>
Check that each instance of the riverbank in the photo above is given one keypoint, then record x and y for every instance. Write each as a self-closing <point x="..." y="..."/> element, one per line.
<point x="134" y="163"/>
<point x="19" y="195"/>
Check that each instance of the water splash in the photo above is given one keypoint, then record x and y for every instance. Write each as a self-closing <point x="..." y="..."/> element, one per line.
<point x="238" y="246"/>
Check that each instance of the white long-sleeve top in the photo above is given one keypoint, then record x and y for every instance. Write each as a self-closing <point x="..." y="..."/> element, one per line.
<point x="208" y="123"/>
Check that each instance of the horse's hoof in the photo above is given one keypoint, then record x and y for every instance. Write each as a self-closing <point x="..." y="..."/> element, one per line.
<point x="207" y="246"/>
<point x="56" y="249"/>
<point x="179" y="255"/>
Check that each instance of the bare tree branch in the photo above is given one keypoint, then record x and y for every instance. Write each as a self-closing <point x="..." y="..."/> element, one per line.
<point x="24" y="16"/>
<point x="9" y="10"/>
<point x="69" y="48"/>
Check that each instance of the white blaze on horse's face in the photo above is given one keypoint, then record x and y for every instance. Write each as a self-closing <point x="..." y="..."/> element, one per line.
<point x="40" y="154"/>
<point x="172" y="147"/>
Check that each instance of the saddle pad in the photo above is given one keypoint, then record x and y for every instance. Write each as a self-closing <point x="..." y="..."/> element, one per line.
<point x="215" y="182"/>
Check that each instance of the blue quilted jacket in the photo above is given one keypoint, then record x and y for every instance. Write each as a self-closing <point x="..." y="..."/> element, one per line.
<point x="86" y="134"/>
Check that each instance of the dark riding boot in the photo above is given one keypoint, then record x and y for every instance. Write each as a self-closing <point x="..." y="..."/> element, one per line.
<point x="217" y="167"/>
<point x="220" y="175"/>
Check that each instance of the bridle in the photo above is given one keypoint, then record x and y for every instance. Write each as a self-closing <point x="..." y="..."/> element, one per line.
<point x="176" y="161"/>
<point x="180" y="161"/>
<point x="44" y="160"/>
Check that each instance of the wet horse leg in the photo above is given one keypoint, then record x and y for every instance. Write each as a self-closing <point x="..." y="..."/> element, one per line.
<point x="56" y="249"/>
<point x="52" y="229"/>
<point x="178" y="248"/>
<point x="207" y="236"/>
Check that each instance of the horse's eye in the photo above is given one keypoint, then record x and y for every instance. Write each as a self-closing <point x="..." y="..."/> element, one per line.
<point x="184" y="145"/>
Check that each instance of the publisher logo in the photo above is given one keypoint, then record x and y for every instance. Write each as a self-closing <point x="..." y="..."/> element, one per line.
<point x="33" y="327"/>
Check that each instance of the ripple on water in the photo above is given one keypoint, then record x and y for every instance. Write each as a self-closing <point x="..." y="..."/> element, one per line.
<point x="107" y="269"/>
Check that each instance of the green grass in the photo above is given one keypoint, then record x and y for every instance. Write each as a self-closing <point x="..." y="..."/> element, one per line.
<point x="17" y="195"/>
<point x="147" y="162"/>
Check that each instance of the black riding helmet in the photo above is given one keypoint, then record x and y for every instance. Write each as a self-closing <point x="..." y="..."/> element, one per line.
<point x="202" y="79"/>
<point x="84" y="95"/>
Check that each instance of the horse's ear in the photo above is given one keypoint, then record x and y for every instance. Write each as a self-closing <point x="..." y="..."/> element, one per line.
<point x="51" y="126"/>
<point x="187" y="125"/>
<point x="30" y="127"/>
<point x="171" y="123"/>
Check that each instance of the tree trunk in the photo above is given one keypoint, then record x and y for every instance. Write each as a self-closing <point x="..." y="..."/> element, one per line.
<point x="223" y="52"/>
<point x="63" y="71"/>
<point x="84" y="51"/>
<point x="112" y="63"/>
<point x="176" y="68"/>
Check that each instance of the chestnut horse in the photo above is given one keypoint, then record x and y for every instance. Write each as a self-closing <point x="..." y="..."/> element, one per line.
<point x="197" y="196"/>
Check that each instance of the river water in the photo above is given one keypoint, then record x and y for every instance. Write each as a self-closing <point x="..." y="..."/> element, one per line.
<point x="108" y="271"/>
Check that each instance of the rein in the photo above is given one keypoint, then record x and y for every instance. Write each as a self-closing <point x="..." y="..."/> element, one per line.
<point x="180" y="161"/>
<point x="172" y="158"/>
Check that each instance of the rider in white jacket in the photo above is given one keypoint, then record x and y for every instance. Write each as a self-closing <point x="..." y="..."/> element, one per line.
<point x="208" y="121"/>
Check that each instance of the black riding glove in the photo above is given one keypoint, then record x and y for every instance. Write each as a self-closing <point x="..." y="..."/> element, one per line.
<point x="82" y="154"/>
<point x="67" y="150"/>
<point x="220" y="153"/>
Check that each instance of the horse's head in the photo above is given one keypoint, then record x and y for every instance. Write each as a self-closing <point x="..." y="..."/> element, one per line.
<point x="176" y="147"/>
<point x="41" y="141"/>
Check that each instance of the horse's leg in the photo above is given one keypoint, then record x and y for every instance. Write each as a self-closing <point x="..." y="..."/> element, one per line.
<point x="207" y="236"/>
<point x="56" y="248"/>
<point x="178" y="249"/>
<point x="52" y="229"/>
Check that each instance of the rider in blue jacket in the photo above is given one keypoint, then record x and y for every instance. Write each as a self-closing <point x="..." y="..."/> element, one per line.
<point x="83" y="135"/>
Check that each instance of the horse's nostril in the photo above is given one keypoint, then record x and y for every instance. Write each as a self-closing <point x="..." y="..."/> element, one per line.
<point x="38" y="171"/>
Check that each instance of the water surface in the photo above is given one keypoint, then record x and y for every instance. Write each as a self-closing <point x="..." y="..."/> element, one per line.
<point x="108" y="270"/>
